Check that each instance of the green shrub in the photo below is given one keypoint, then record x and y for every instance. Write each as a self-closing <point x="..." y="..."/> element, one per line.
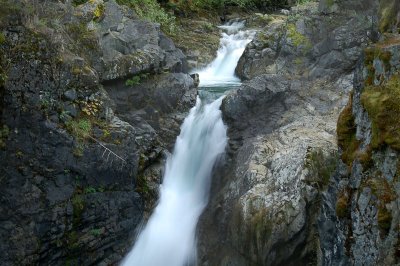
<point x="81" y="128"/>
<point x="95" y="232"/>
<point x="151" y="10"/>
<point x="90" y="190"/>
<point x="135" y="80"/>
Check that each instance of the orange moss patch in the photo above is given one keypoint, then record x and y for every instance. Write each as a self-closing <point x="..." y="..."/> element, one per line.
<point x="346" y="134"/>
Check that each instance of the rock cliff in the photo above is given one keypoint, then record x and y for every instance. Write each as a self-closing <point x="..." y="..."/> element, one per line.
<point x="284" y="196"/>
<point x="90" y="98"/>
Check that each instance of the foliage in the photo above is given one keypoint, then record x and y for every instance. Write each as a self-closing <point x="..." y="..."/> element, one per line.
<point x="91" y="107"/>
<point x="81" y="128"/>
<point x="90" y="190"/>
<point x="206" y="4"/>
<point x="151" y="10"/>
<point x="135" y="80"/>
<point x="96" y="232"/>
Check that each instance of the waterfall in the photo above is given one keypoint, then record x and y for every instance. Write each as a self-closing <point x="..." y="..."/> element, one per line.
<point x="169" y="238"/>
<point x="221" y="72"/>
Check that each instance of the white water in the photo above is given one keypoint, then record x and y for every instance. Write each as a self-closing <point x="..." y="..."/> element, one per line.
<point x="169" y="238"/>
<point x="221" y="71"/>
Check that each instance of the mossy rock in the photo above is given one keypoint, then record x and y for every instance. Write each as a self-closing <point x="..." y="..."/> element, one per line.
<point x="346" y="134"/>
<point x="342" y="205"/>
<point x="79" y="2"/>
<point x="377" y="56"/>
<point x="382" y="189"/>
<point x="321" y="165"/>
<point x="382" y="105"/>
<point x="388" y="11"/>
<point x="298" y="39"/>
<point x="78" y="205"/>
<point x="384" y="219"/>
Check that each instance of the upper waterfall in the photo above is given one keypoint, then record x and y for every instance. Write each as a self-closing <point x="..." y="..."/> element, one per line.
<point x="222" y="70"/>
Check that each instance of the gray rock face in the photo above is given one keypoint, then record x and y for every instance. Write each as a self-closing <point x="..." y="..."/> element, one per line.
<point x="312" y="45"/>
<point x="275" y="200"/>
<point x="130" y="46"/>
<point x="369" y="228"/>
<point x="80" y="151"/>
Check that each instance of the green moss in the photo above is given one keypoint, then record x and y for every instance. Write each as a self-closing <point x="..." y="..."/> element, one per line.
<point x="78" y="149"/>
<point x="2" y="38"/>
<point x="322" y="166"/>
<point x="99" y="11"/>
<point x="376" y="53"/>
<point x="96" y="232"/>
<point x="72" y="240"/>
<point x="79" y="2"/>
<point x="135" y="80"/>
<point x="382" y="105"/>
<point x="330" y="3"/>
<point x="346" y="134"/>
<point x="381" y="188"/>
<point x="258" y="231"/>
<point x="384" y="219"/>
<point x="83" y="37"/>
<point x="142" y="186"/>
<point x="80" y="129"/>
<point x="78" y="205"/>
<point x="365" y="158"/>
<point x="297" y="38"/>
<point x="342" y="207"/>
<point x="4" y="133"/>
<point x="152" y="11"/>
<point x="388" y="14"/>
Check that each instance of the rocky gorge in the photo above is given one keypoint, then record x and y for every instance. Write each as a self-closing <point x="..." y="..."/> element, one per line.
<point x="92" y="98"/>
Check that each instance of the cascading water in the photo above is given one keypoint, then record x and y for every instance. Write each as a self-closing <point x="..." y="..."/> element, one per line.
<point x="169" y="237"/>
<point x="221" y="72"/>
